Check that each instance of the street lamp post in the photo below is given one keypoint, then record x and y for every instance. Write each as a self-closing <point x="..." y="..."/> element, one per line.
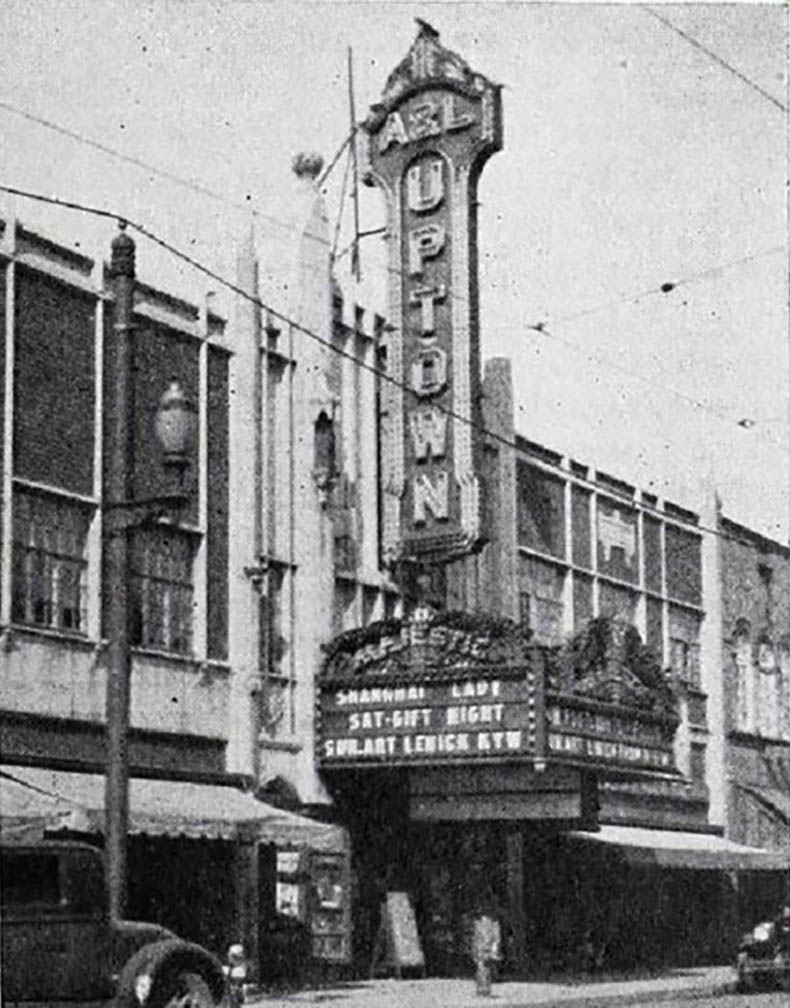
<point x="173" y="425"/>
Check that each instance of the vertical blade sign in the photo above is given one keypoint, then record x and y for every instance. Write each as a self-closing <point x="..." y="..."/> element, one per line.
<point x="437" y="124"/>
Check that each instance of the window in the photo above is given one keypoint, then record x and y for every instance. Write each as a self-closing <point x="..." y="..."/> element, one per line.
<point x="697" y="761"/>
<point x="370" y="598"/>
<point x="744" y="679"/>
<point x="684" y="627"/>
<point x="616" y="602"/>
<point x="324" y="446"/>
<point x="343" y="606"/>
<point x="278" y="698"/>
<point x="49" y="561"/>
<point x="654" y="620"/>
<point x="617" y="546"/>
<point x="768" y="688"/>
<point x="582" y="600"/>
<point x="540" y="593"/>
<point x="625" y="560"/>
<point x="162" y="590"/>
<point x="580" y="527"/>
<point x="345" y="553"/>
<point x="30" y="879"/>
<point x="784" y="689"/>
<point x="390" y="605"/>
<point x="651" y="531"/>
<point x="541" y="511"/>
<point x="683" y="565"/>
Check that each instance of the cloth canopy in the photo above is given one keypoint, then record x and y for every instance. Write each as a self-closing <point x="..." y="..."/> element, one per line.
<point x="778" y="801"/>
<point x="36" y="800"/>
<point x="669" y="849"/>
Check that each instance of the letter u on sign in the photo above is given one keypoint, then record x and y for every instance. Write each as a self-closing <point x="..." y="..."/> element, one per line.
<point x="425" y="185"/>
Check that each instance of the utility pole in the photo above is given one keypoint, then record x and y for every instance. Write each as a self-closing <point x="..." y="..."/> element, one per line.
<point x="118" y="489"/>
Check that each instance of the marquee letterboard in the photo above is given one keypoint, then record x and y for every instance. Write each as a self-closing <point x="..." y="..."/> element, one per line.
<point x="429" y="722"/>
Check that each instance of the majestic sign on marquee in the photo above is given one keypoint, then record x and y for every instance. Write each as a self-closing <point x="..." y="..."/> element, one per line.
<point x="427" y="141"/>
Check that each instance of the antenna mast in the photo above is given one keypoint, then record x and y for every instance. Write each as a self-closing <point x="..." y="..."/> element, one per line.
<point x="355" y="257"/>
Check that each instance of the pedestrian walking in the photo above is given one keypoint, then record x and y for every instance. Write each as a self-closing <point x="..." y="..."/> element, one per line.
<point x="486" y="946"/>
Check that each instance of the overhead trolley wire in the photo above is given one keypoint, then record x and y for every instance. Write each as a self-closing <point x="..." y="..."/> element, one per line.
<point x="592" y="355"/>
<point x="665" y="288"/>
<point x="200" y="188"/>
<point x="696" y="44"/>
<point x="545" y="328"/>
<point x="187" y="183"/>
<point x="541" y="327"/>
<point x="640" y="506"/>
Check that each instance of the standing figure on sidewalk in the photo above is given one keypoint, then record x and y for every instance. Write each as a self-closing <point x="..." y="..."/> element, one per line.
<point x="486" y="945"/>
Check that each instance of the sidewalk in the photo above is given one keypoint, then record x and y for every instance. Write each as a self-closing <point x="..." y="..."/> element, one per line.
<point x="680" y="983"/>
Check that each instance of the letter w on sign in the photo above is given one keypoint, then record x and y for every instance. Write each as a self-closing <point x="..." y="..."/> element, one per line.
<point x="429" y="433"/>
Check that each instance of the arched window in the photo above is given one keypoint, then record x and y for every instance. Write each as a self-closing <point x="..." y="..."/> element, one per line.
<point x="744" y="677"/>
<point x="324" y="445"/>
<point x="783" y="675"/>
<point x="769" y="687"/>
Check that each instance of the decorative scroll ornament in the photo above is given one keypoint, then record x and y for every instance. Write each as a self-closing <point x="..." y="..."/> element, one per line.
<point x="607" y="661"/>
<point x="428" y="643"/>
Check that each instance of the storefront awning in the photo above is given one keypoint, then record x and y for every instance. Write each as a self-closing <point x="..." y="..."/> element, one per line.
<point x="776" y="800"/>
<point x="35" y="800"/>
<point x="669" y="849"/>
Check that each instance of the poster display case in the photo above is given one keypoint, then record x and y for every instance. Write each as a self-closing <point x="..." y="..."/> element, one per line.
<point x="330" y="907"/>
<point x="313" y="888"/>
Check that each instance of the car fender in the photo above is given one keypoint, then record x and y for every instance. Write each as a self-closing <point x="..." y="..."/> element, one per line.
<point x="145" y="975"/>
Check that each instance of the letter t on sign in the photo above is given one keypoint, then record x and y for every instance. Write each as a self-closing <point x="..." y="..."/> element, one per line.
<point x="426" y="297"/>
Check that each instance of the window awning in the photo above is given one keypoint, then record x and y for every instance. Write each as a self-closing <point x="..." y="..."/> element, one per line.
<point x="35" y="800"/>
<point x="669" y="849"/>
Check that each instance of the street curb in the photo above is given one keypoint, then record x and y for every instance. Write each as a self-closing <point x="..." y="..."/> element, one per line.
<point x="582" y="1000"/>
<point x="625" y="998"/>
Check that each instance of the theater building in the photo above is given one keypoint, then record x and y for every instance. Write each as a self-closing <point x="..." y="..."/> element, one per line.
<point x="386" y="607"/>
<point x="541" y="727"/>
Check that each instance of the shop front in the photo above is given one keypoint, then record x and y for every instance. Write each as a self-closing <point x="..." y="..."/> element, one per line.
<point x="459" y="756"/>
<point x="206" y="860"/>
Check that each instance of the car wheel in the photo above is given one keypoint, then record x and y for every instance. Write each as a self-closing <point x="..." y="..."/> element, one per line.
<point x="186" y="990"/>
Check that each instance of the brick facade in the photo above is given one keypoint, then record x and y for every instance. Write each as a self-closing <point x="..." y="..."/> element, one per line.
<point x="756" y="671"/>
<point x="51" y="584"/>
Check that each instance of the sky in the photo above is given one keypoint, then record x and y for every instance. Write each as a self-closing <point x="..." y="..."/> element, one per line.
<point x="632" y="159"/>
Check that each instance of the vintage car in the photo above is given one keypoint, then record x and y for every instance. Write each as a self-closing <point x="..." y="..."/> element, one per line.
<point x="763" y="958"/>
<point x="60" y="945"/>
